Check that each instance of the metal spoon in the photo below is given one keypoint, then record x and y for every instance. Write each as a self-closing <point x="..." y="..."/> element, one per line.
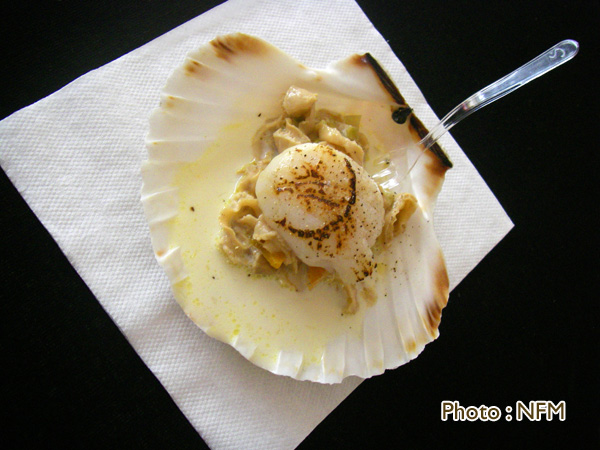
<point x="550" y="59"/>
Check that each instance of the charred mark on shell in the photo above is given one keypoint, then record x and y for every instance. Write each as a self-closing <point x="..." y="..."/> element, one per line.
<point x="192" y="67"/>
<point x="418" y="127"/>
<point x="385" y="80"/>
<point x="401" y="114"/>
<point x="237" y="43"/>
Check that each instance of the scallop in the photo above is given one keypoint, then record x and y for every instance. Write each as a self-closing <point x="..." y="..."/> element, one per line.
<point x="329" y="279"/>
<point x="327" y="209"/>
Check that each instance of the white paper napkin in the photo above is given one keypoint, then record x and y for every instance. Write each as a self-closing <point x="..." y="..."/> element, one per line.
<point x="75" y="157"/>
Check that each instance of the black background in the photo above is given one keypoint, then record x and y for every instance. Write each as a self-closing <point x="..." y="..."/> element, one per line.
<point x="522" y="326"/>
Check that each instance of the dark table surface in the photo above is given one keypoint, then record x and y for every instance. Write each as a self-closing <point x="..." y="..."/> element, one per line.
<point x="521" y="327"/>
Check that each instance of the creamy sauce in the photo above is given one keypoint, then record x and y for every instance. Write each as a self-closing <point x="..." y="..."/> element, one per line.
<point x="225" y="300"/>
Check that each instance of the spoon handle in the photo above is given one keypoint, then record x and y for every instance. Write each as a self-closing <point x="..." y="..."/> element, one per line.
<point x="551" y="58"/>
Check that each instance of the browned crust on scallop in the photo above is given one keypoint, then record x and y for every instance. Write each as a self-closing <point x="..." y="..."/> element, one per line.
<point x="307" y="186"/>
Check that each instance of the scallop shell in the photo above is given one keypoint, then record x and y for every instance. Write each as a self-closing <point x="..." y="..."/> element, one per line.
<point x="200" y="135"/>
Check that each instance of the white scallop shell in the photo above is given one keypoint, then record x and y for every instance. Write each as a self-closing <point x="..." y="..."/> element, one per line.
<point x="213" y="104"/>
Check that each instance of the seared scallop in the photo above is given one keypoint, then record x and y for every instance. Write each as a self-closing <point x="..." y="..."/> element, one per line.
<point x="326" y="208"/>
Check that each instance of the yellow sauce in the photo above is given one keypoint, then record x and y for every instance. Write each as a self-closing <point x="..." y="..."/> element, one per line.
<point x="225" y="300"/>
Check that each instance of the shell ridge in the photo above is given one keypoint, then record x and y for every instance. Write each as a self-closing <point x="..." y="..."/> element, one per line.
<point x="176" y="152"/>
<point x="430" y="297"/>
<point x="158" y="194"/>
<point x="415" y="300"/>
<point x="201" y="105"/>
<point x="344" y="357"/>
<point x="288" y="363"/>
<point x="246" y="348"/>
<point x="161" y="205"/>
<point x="370" y="343"/>
<point x="156" y="176"/>
<point x="393" y="312"/>
<point x="380" y="363"/>
<point x="224" y="73"/>
<point x="173" y="264"/>
<point x="407" y="302"/>
<point x="162" y="219"/>
<point x="333" y="361"/>
<point x="166" y="126"/>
